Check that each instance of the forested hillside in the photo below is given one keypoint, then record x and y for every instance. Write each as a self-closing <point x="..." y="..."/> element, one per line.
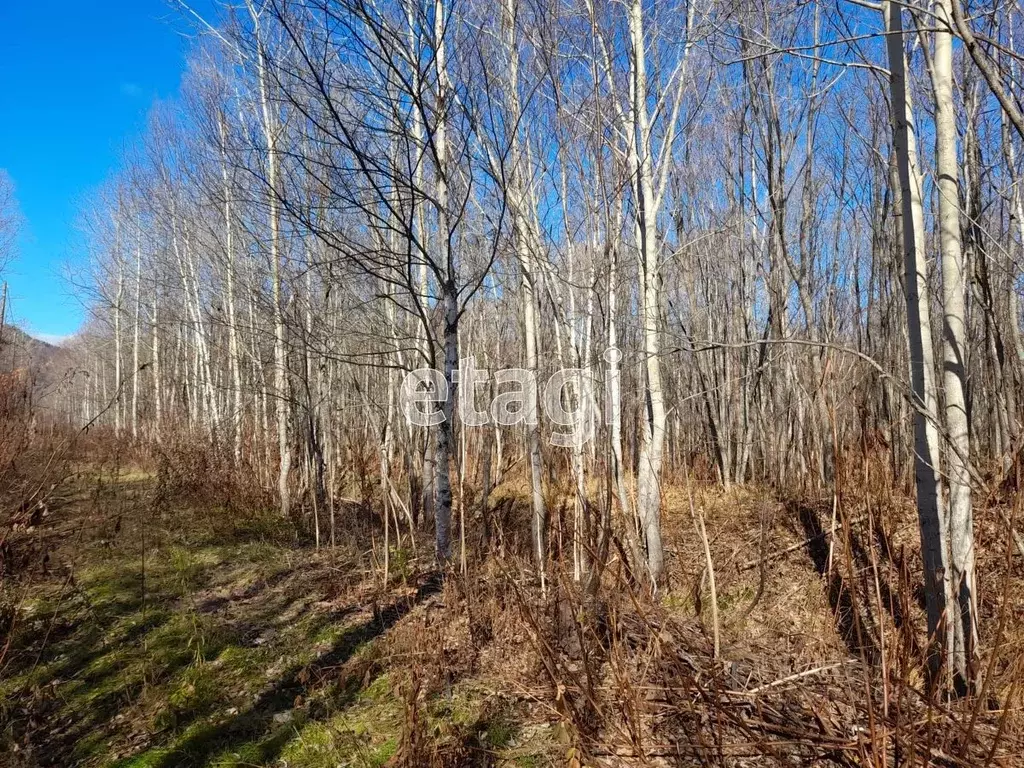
<point x="582" y="383"/>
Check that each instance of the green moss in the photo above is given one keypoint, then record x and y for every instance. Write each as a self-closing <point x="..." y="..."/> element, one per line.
<point x="262" y="526"/>
<point x="313" y="747"/>
<point x="92" y="747"/>
<point x="383" y="753"/>
<point x="742" y="596"/>
<point x="185" y="637"/>
<point x="192" y="694"/>
<point x="320" y="746"/>
<point x="40" y="605"/>
<point x="377" y="690"/>
<point x="246" y="666"/>
<point x="527" y="761"/>
<point x="460" y="709"/>
<point x="114" y="686"/>
<point x="34" y="677"/>
<point x="141" y="650"/>
<point x="247" y="754"/>
<point x="401" y="564"/>
<point x="677" y="601"/>
<point x="330" y="634"/>
<point x="500" y="732"/>
<point x="108" y="665"/>
<point x="152" y="758"/>
<point x="367" y="732"/>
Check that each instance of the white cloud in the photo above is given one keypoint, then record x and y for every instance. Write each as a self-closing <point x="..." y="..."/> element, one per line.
<point x="131" y="90"/>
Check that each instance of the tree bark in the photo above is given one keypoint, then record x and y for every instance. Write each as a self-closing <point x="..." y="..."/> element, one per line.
<point x="954" y="344"/>
<point x="931" y="508"/>
<point x="653" y="432"/>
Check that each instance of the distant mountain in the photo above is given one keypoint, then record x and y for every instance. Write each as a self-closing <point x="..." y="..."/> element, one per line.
<point x="20" y="350"/>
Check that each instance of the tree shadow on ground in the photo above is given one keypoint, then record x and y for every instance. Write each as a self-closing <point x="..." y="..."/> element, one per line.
<point x="84" y="660"/>
<point x="84" y="672"/>
<point x="858" y="599"/>
<point x="259" y="719"/>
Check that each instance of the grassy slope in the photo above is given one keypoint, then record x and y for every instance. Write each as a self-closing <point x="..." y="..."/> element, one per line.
<point x="226" y="650"/>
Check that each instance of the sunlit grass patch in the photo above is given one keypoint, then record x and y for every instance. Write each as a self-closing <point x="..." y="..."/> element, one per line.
<point x="364" y="732"/>
<point x="192" y="694"/>
<point x="151" y="758"/>
<point x="214" y="650"/>
<point x="315" y="746"/>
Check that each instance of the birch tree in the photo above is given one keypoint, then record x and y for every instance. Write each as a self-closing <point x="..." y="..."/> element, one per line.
<point x="962" y="611"/>
<point x="931" y="505"/>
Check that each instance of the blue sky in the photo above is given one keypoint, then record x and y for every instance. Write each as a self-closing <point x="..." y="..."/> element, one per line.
<point x="77" y="80"/>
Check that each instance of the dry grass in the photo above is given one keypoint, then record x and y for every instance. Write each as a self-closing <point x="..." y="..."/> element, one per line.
<point x="304" y="657"/>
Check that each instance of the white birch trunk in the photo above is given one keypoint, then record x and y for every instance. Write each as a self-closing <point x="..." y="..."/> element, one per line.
<point x="525" y="243"/>
<point x="449" y="301"/>
<point x="954" y="337"/>
<point x="931" y="508"/>
<point x="653" y="432"/>
<point x="281" y="395"/>
<point x="117" y="349"/>
<point x="135" y="338"/>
